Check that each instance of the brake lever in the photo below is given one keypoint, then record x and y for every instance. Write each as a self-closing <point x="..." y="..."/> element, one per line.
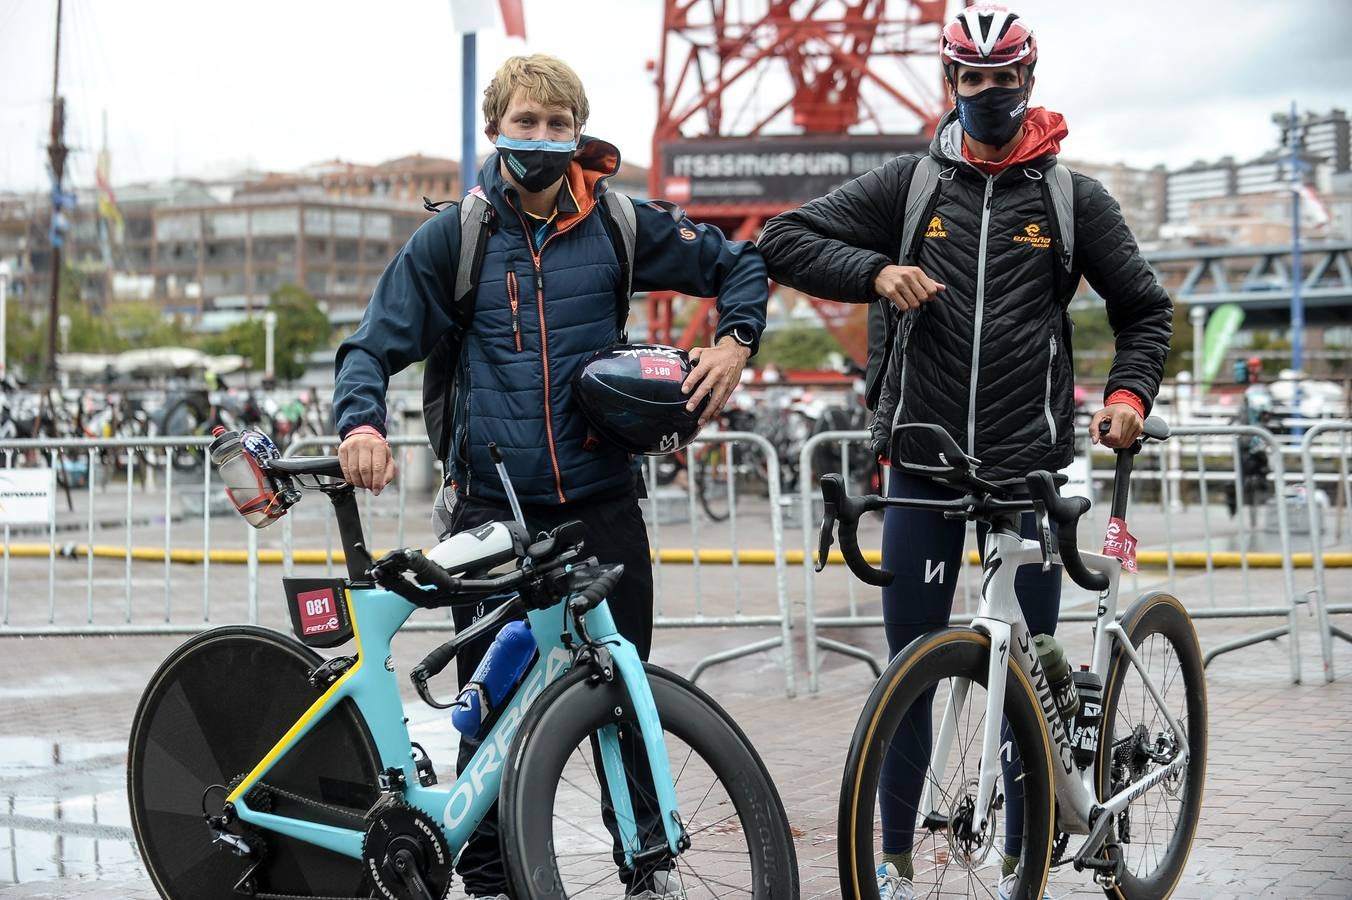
<point x="827" y="535"/>
<point x="1050" y="555"/>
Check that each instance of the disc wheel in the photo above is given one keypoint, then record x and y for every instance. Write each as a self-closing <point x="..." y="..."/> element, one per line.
<point x="555" y="834"/>
<point x="210" y="713"/>
<point x="889" y="763"/>
<point x="1156" y="830"/>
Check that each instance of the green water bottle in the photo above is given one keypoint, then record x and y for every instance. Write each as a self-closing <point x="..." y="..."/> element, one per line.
<point x="1053" y="660"/>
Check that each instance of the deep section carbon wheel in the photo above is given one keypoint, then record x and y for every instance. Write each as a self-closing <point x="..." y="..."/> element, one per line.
<point x="556" y="818"/>
<point x="211" y="712"/>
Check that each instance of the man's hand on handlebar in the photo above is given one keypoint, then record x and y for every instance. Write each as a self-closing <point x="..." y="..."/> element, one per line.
<point x="367" y="461"/>
<point x="1125" y="426"/>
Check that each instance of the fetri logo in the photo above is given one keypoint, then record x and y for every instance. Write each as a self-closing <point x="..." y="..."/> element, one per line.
<point x="936" y="228"/>
<point x="1032" y="234"/>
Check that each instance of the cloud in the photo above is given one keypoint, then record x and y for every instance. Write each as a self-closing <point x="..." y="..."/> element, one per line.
<point x="192" y="87"/>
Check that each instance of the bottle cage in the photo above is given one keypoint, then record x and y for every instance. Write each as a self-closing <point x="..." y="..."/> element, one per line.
<point x="261" y="497"/>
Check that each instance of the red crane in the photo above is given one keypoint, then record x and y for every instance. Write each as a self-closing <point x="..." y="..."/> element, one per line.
<point x="764" y="104"/>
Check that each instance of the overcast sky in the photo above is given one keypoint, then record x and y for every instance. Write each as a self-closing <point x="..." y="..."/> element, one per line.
<point x="195" y="88"/>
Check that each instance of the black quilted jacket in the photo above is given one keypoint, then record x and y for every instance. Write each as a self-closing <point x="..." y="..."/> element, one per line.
<point x="989" y="357"/>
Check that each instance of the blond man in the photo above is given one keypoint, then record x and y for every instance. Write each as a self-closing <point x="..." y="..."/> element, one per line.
<point x="546" y="300"/>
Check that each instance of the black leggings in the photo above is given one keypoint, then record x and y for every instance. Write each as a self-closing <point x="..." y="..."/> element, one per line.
<point x="924" y="551"/>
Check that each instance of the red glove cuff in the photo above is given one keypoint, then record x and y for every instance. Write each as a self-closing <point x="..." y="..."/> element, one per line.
<point x="1129" y="399"/>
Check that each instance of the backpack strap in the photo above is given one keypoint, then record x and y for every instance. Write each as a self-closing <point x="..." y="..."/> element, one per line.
<point x="476" y="215"/>
<point x="920" y="199"/>
<point x="476" y="218"/>
<point x="1061" y="206"/>
<point x="1058" y="196"/>
<point x="622" y="225"/>
<point x="922" y="194"/>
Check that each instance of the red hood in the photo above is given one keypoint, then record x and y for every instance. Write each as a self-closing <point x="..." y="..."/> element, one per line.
<point x="1043" y="131"/>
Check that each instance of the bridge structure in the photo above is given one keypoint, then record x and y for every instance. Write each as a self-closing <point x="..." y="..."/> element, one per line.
<point x="1258" y="280"/>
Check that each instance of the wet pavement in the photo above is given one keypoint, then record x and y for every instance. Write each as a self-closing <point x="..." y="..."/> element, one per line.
<point x="1279" y="795"/>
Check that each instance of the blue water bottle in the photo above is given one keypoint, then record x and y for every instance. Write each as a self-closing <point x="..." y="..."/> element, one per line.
<point x="498" y="672"/>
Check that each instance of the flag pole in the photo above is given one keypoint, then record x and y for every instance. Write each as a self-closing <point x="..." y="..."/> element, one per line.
<point x="469" y="175"/>
<point x="1297" y="301"/>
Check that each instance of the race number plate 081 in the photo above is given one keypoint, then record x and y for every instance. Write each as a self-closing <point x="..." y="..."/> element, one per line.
<point x="318" y="607"/>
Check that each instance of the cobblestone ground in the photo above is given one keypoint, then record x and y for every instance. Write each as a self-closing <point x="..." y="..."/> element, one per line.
<point x="1279" y="791"/>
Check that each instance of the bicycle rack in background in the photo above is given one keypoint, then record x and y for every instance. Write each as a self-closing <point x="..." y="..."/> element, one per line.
<point x="1343" y="499"/>
<point x="730" y="440"/>
<point x="1171" y="478"/>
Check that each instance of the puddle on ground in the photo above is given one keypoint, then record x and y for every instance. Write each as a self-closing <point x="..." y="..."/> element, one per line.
<point x="63" y="810"/>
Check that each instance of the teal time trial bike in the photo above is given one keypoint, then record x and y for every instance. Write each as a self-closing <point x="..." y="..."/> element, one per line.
<point x="258" y="768"/>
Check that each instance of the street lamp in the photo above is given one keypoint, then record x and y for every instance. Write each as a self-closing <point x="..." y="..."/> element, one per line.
<point x="269" y="342"/>
<point x="1198" y="316"/>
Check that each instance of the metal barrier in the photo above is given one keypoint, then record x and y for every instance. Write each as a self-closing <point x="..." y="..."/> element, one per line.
<point x="1342" y="501"/>
<point x="1199" y="487"/>
<point x="693" y="617"/>
<point x="61" y="456"/>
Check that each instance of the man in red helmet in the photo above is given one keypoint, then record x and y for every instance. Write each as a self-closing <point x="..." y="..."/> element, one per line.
<point x="977" y="302"/>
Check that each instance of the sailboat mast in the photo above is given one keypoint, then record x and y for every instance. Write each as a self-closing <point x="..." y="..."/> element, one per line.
<point x="56" y="154"/>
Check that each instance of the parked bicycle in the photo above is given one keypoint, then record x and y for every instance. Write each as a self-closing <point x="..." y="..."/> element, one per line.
<point x="1126" y="771"/>
<point x="259" y="768"/>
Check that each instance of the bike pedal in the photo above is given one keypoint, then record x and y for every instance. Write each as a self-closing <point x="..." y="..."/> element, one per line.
<point x="236" y="844"/>
<point x="935" y="822"/>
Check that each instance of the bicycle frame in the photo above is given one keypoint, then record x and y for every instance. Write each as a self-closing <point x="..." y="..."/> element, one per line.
<point x="1000" y="617"/>
<point x="377" y="615"/>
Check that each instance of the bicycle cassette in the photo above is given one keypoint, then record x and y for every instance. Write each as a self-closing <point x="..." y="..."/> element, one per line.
<point x="405" y="854"/>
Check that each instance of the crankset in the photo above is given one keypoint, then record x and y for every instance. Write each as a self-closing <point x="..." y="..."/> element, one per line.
<point x="405" y="854"/>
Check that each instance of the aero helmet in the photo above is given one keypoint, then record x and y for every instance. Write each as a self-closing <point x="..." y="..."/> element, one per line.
<point x="631" y="396"/>
<point x="987" y="36"/>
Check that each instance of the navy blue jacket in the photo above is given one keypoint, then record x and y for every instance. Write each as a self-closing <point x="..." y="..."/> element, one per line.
<point x="546" y="301"/>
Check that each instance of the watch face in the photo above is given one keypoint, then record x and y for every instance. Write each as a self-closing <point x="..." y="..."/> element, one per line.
<point x="741" y="336"/>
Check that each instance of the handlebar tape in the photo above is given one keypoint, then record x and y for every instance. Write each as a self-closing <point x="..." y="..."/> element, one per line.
<point x="1066" y="513"/>
<point x="839" y="505"/>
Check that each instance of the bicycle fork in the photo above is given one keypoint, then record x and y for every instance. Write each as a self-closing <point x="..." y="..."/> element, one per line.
<point x="624" y="659"/>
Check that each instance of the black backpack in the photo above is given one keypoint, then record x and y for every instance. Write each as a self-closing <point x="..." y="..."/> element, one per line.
<point x="476" y="223"/>
<point x="1058" y="194"/>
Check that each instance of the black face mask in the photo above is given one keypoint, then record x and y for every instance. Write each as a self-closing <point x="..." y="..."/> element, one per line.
<point x="994" y="115"/>
<point x="536" y="164"/>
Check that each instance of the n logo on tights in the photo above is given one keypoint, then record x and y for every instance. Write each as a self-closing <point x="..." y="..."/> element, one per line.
<point x="934" y="570"/>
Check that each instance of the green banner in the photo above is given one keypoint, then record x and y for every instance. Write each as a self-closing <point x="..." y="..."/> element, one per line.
<point x="1221" y="326"/>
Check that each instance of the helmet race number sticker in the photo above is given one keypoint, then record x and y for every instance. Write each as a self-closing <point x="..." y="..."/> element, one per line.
<point x="659" y="368"/>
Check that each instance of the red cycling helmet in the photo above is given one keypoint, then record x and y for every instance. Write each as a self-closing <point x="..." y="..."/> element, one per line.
<point x="987" y="36"/>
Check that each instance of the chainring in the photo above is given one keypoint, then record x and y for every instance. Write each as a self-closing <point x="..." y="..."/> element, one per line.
<point x="396" y="826"/>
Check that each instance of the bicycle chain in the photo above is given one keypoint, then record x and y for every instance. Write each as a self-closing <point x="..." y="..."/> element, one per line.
<point x="288" y="795"/>
<point x="342" y="811"/>
<point x="339" y="810"/>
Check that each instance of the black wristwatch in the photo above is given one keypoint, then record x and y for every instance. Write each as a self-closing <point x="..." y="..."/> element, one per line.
<point x="744" y="336"/>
